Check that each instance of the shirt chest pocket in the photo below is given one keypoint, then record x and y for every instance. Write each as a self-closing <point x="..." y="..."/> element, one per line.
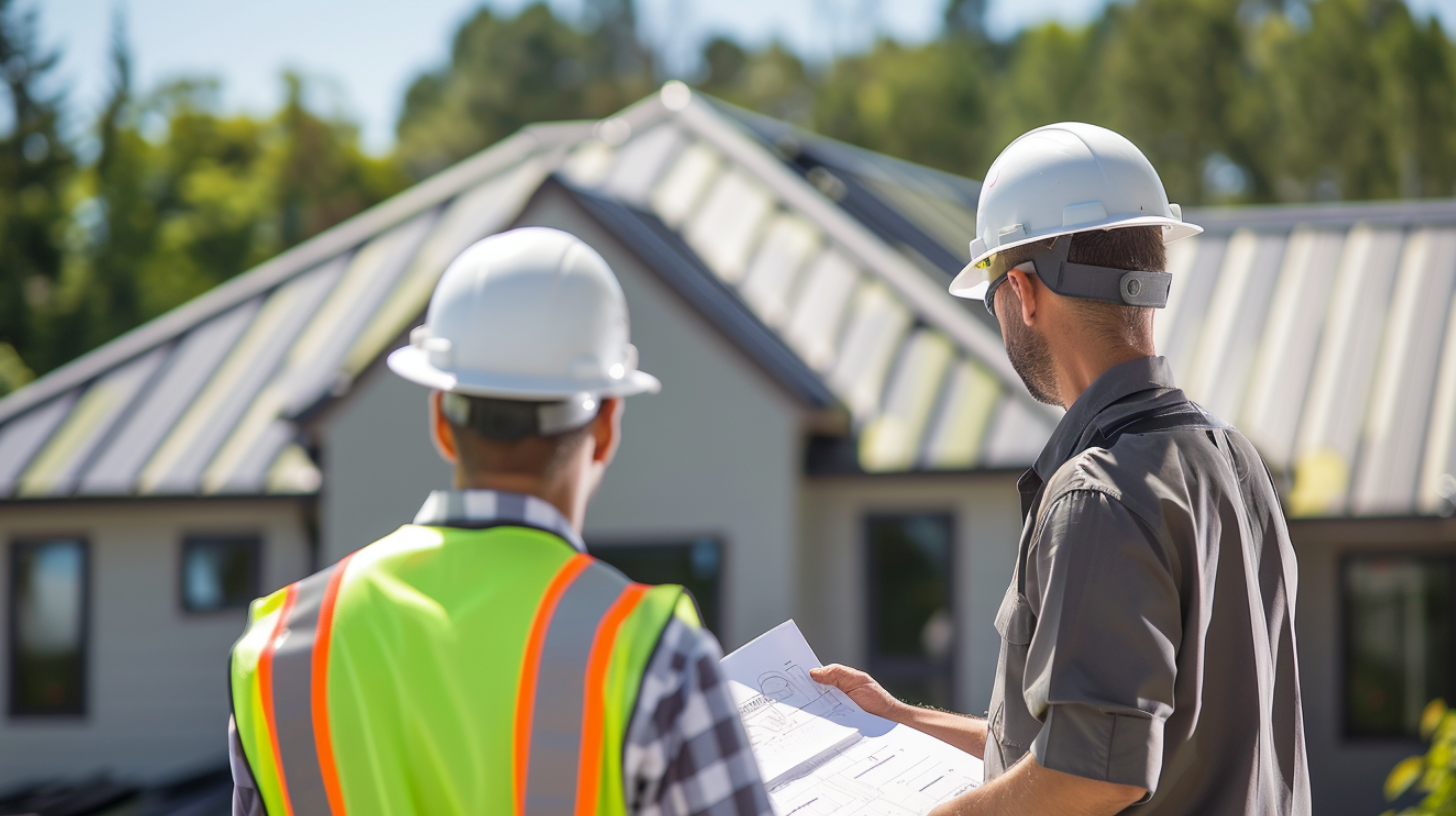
<point x="1012" y="724"/>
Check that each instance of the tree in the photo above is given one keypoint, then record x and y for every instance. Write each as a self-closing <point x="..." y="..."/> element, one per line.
<point x="159" y="221"/>
<point x="1367" y="104"/>
<point x="771" y="80"/>
<point x="36" y="167"/>
<point x="505" y="73"/>
<point x="928" y="104"/>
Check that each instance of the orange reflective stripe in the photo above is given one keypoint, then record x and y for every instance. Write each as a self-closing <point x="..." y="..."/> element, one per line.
<point x="531" y="667"/>
<point x="265" y="686"/>
<point x="588" y="770"/>
<point x="319" y="691"/>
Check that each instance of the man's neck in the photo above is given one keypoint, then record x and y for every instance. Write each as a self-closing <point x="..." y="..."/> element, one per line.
<point x="1078" y="366"/>
<point x="563" y="494"/>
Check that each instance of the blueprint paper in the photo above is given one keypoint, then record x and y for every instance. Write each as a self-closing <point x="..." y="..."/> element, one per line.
<point x="820" y="753"/>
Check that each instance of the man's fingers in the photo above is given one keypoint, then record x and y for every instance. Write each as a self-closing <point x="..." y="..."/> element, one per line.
<point x="841" y="677"/>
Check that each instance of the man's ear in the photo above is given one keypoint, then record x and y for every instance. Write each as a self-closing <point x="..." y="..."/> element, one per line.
<point x="606" y="430"/>
<point x="1023" y="281"/>
<point x="440" y="432"/>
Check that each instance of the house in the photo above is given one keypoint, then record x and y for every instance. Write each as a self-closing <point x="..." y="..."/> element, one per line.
<point x="837" y="440"/>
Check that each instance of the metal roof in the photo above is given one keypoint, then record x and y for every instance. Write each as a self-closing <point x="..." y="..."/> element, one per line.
<point x="1327" y="333"/>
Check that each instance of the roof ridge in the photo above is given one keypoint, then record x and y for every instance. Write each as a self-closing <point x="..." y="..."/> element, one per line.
<point x="1333" y="213"/>
<point x="295" y="261"/>
<point x="925" y="300"/>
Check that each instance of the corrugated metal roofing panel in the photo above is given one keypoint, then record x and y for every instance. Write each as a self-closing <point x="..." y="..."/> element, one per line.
<point x="970" y="398"/>
<point x="1437" y="491"/>
<point x="892" y="441"/>
<point x="819" y="308"/>
<point x="312" y="362"/>
<point x="1389" y="470"/>
<point x="58" y="466"/>
<point x="1235" y="322"/>
<point x="177" y="465"/>
<point x="191" y="362"/>
<point x="877" y="323"/>
<point x="476" y="214"/>
<point x="726" y="227"/>
<point x="1183" y="326"/>
<point x="1340" y="391"/>
<point x="589" y="164"/>
<point x="1018" y="433"/>
<point x="677" y="195"/>
<point x="641" y="162"/>
<point x="1285" y="361"/>
<point x="22" y="436"/>
<point x="787" y="245"/>
<point x="1180" y="262"/>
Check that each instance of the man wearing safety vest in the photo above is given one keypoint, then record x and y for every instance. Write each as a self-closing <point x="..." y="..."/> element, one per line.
<point x="478" y="661"/>
<point x="1148" y="660"/>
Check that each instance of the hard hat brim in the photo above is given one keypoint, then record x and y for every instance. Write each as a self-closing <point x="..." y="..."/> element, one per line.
<point x="971" y="283"/>
<point x="414" y="365"/>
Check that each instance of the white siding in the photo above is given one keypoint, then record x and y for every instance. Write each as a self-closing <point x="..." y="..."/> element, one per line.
<point x="157" y="702"/>
<point x="987" y="523"/>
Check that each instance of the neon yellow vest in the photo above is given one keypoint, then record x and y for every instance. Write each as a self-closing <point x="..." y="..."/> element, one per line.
<point x="448" y="671"/>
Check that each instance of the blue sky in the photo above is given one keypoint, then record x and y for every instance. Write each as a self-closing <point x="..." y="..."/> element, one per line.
<point x="366" y="52"/>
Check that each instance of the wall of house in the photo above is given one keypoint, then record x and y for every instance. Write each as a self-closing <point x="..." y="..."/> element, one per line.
<point x="987" y="522"/>
<point x="716" y="455"/>
<point x="1346" y="774"/>
<point x="157" y="702"/>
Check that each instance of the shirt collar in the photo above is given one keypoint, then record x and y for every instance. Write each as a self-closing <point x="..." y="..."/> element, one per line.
<point x="1122" y="380"/>
<point x="490" y="508"/>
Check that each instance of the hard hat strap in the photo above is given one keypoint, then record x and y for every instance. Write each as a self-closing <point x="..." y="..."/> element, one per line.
<point x="1125" y="287"/>
<point x="508" y="420"/>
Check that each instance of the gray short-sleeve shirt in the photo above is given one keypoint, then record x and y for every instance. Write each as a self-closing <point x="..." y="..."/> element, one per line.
<point x="1148" y="632"/>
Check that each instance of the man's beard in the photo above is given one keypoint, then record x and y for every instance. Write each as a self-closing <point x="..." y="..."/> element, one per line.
<point x="1030" y="356"/>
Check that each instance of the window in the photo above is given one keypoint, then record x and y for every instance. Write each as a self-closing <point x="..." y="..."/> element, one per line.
<point x="911" y="623"/>
<point x="219" y="572"/>
<point x="697" y="565"/>
<point x="1398" y="640"/>
<point x="48" y="600"/>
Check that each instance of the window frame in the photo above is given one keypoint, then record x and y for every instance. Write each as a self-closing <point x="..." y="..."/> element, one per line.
<point x="14" y="709"/>
<point x="190" y="540"/>
<point x="596" y="547"/>
<point x="1345" y="646"/>
<point x="871" y="585"/>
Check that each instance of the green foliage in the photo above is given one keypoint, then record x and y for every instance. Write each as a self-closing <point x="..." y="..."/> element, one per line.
<point x="1434" y="774"/>
<point x="505" y="73"/>
<point x="1234" y="101"/>
<point x="157" y="221"/>
<point x="36" y="167"/>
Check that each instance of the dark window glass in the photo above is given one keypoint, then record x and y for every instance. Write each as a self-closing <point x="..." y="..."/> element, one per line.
<point x="911" y="624"/>
<point x="48" y="628"/>
<point x="219" y="572"/>
<point x="697" y="565"/>
<point x="1398" y="641"/>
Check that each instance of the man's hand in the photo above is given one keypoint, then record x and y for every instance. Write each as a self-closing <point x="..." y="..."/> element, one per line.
<point x="862" y="689"/>
<point x="965" y="733"/>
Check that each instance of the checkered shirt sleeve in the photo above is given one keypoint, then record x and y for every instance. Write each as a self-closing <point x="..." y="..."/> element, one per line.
<point x="686" y="751"/>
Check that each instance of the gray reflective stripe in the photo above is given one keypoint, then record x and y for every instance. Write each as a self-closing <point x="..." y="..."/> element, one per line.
<point x="292" y="699"/>
<point x="556" y="722"/>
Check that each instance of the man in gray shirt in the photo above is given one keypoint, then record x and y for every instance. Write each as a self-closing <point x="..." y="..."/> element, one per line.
<point x="1148" y="658"/>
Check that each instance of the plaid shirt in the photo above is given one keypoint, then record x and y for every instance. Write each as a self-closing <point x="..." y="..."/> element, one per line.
<point x="686" y="752"/>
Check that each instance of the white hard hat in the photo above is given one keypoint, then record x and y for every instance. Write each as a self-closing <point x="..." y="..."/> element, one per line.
<point x="533" y="314"/>
<point x="1063" y="179"/>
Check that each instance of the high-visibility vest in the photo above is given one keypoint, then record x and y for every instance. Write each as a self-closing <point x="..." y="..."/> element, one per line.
<point x="448" y="671"/>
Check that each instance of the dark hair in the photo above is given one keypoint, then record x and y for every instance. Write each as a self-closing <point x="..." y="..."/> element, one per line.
<point x="1122" y="248"/>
